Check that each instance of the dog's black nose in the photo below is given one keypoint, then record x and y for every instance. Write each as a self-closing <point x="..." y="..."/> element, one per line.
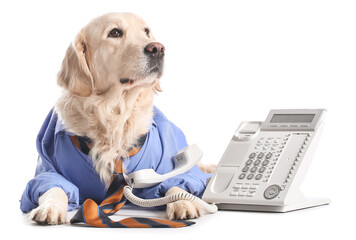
<point x="155" y="49"/>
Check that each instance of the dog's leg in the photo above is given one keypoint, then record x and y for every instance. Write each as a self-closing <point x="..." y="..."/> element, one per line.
<point x="52" y="207"/>
<point x="181" y="209"/>
<point x="209" y="168"/>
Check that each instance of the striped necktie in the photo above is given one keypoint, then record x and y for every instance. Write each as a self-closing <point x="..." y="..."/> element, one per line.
<point x="98" y="215"/>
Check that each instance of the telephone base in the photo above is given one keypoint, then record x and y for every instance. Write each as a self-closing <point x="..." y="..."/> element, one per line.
<point x="308" y="203"/>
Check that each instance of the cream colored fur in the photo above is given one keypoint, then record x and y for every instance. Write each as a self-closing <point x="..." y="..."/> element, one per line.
<point x="96" y="104"/>
<point x="52" y="208"/>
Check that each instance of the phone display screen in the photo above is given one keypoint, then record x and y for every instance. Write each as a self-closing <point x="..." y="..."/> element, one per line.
<point x="292" y="118"/>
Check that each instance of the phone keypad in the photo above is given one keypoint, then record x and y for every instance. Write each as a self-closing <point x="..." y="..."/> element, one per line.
<point x="259" y="165"/>
<point x="256" y="166"/>
<point x="262" y="161"/>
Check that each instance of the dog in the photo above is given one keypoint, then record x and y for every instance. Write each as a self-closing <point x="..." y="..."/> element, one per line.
<point x="109" y="75"/>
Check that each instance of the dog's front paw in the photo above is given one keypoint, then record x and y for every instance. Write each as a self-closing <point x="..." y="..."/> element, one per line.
<point x="52" y="208"/>
<point x="207" y="168"/>
<point x="182" y="210"/>
<point x="48" y="214"/>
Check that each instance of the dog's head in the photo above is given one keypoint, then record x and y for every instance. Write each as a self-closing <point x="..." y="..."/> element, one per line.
<point x="114" y="49"/>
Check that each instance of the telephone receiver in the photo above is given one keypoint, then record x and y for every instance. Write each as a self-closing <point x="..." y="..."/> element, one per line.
<point x="184" y="160"/>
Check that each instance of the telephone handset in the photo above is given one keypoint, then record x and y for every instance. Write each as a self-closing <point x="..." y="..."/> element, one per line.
<point x="265" y="163"/>
<point x="184" y="160"/>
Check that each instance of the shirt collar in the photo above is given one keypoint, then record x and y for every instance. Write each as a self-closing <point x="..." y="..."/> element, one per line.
<point x="60" y="127"/>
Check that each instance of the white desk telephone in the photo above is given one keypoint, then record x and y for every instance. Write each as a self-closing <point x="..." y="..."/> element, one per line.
<point x="265" y="163"/>
<point x="261" y="169"/>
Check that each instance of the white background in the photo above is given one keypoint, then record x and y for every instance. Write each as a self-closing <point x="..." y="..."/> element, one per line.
<point x="226" y="61"/>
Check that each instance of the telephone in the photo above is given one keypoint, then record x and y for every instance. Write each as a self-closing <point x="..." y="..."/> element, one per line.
<point x="265" y="163"/>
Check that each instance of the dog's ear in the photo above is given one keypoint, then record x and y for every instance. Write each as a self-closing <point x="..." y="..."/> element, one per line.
<point x="75" y="74"/>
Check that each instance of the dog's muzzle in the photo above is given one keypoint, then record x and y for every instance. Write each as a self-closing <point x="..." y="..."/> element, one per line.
<point x="155" y="53"/>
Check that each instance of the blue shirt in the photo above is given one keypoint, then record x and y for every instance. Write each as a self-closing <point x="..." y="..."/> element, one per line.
<point x="61" y="164"/>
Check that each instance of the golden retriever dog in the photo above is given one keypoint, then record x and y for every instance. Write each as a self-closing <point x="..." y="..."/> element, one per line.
<point x="109" y="76"/>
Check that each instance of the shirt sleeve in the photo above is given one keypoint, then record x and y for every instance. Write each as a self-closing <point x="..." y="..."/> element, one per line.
<point x="47" y="176"/>
<point x="42" y="183"/>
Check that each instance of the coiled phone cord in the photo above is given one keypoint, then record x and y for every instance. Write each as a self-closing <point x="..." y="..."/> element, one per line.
<point x="208" y="208"/>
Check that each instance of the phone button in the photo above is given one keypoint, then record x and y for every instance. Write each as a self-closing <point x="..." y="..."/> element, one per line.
<point x="249" y="162"/>
<point x="250" y="176"/>
<point x="245" y="169"/>
<point x="254" y="169"/>
<point x="258" y="176"/>
<point x="257" y="162"/>
<point x="242" y="193"/>
<point x="272" y="191"/>
<point x="234" y="193"/>
<point x="242" y="176"/>
<point x="265" y="163"/>
<point x="250" y="193"/>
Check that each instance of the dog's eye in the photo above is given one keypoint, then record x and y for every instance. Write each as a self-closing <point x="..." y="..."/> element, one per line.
<point x="147" y="31"/>
<point x="115" y="33"/>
